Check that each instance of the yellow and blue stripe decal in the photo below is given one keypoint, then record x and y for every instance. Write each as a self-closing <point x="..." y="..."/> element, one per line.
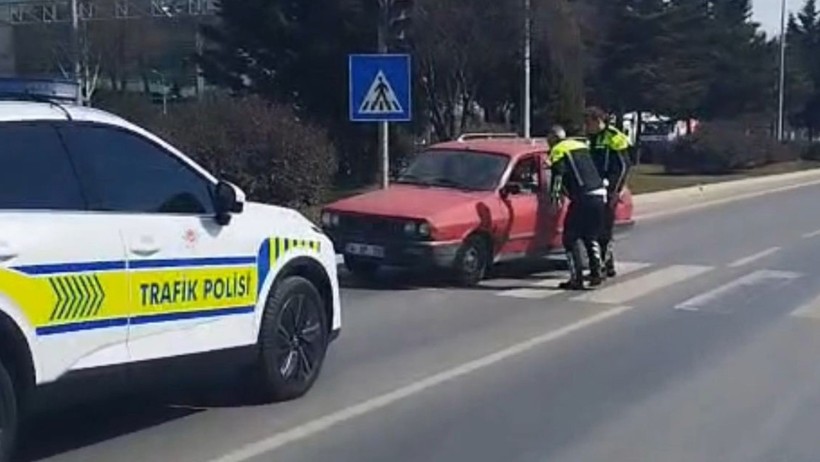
<point x="275" y="248"/>
<point x="72" y="297"/>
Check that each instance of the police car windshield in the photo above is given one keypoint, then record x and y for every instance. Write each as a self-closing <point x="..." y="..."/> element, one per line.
<point x="469" y="170"/>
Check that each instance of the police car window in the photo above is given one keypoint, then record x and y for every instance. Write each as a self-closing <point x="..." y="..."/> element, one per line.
<point x="35" y="172"/>
<point x="126" y="173"/>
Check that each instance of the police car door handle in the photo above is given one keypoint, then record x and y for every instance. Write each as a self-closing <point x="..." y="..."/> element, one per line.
<point x="144" y="252"/>
<point x="7" y="252"/>
<point x="145" y="246"/>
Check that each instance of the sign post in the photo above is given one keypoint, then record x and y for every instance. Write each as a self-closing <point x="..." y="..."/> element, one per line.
<point x="380" y="91"/>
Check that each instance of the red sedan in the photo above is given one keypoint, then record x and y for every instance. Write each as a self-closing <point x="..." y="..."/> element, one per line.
<point x="460" y="206"/>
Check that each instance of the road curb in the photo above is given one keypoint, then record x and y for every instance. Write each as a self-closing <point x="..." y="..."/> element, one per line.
<point x="680" y="200"/>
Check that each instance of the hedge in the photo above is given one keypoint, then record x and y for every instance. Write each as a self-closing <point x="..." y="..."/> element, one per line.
<point x="264" y="148"/>
<point x="725" y="147"/>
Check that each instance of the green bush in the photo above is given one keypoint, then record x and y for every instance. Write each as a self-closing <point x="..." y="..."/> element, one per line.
<point x="811" y="152"/>
<point x="264" y="148"/>
<point x="724" y="147"/>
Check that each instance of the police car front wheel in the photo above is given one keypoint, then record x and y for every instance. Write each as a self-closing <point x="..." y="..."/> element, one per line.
<point x="293" y="339"/>
<point x="8" y="415"/>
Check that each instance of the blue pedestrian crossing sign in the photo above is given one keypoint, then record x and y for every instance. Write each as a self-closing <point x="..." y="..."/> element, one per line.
<point x="380" y="88"/>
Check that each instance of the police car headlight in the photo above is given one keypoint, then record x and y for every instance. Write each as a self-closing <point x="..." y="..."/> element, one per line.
<point x="410" y="228"/>
<point x="424" y="230"/>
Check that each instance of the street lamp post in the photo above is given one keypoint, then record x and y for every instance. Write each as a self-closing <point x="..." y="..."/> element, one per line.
<point x="527" y="106"/>
<point x="75" y="49"/>
<point x="782" y="84"/>
<point x="164" y="91"/>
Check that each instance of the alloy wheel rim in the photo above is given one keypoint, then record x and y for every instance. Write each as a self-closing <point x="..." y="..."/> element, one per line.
<point x="472" y="260"/>
<point x="297" y="337"/>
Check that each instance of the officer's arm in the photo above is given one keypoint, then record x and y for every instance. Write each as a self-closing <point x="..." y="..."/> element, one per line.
<point x="619" y="145"/>
<point x="558" y="167"/>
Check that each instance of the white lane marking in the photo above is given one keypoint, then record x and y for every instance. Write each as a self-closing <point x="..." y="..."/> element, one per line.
<point x="811" y="234"/>
<point x="321" y="424"/>
<point x="702" y="300"/>
<point x="548" y="286"/>
<point x="810" y="310"/>
<point x="643" y="285"/>
<point x="530" y="294"/>
<point x="628" y="267"/>
<point x="754" y="257"/>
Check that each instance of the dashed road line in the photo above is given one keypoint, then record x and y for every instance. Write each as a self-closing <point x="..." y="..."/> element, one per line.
<point x="811" y="234"/>
<point x="754" y="257"/>
<point x="328" y="421"/>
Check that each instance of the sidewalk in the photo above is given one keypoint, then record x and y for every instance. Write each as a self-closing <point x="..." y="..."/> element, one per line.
<point x="662" y="203"/>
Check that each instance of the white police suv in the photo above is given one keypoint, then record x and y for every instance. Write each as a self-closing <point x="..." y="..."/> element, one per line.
<point x="118" y="251"/>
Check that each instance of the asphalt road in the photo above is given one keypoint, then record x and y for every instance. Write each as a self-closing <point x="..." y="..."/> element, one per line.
<point x="707" y="349"/>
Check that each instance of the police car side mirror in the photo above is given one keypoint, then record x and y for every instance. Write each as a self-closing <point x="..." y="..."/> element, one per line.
<point x="228" y="199"/>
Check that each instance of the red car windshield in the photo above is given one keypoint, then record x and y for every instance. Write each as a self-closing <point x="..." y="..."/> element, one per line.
<point x="470" y="170"/>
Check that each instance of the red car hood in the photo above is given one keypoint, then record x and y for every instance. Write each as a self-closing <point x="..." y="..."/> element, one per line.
<point x="407" y="201"/>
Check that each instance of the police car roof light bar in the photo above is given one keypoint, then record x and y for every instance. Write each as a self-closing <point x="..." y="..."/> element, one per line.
<point x="52" y="91"/>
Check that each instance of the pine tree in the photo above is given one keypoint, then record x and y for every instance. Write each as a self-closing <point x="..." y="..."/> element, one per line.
<point x="804" y="40"/>
<point x="686" y="58"/>
<point x="741" y="63"/>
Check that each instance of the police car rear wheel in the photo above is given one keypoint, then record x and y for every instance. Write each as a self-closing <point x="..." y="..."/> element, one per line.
<point x="293" y="339"/>
<point x="8" y="416"/>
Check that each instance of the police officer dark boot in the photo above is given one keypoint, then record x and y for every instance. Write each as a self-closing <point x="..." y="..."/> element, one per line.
<point x="609" y="261"/>
<point x="576" y="274"/>
<point x="595" y="274"/>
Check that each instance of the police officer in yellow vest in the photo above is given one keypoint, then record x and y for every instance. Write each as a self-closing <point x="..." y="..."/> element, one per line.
<point x="574" y="175"/>
<point x="609" y="148"/>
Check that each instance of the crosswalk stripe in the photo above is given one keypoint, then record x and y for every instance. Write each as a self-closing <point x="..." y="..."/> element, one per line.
<point x="638" y="287"/>
<point x="629" y="267"/>
<point x="810" y="310"/>
<point x="702" y="300"/>
<point x="531" y="294"/>
<point x="548" y="286"/>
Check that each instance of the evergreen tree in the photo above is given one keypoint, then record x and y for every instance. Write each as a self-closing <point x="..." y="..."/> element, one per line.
<point x="742" y="63"/>
<point x="804" y="40"/>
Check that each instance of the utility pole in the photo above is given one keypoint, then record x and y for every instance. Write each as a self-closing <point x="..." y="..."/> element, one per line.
<point x="200" y="79"/>
<point x="384" y="127"/>
<point x="75" y="49"/>
<point x="782" y="85"/>
<point x="527" y="106"/>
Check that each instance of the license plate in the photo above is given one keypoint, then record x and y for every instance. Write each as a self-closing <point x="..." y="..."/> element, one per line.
<point x="365" y="250"/>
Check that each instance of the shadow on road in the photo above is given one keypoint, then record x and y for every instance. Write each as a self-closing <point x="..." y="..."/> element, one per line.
<point x="78" y="426"/>
<point x="395" y="279"/>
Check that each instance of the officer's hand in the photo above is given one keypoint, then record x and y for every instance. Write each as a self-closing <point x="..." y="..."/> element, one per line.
<point x="555" y="206"/>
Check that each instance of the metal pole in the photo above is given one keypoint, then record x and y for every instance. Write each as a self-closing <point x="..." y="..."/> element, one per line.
<point x="200" y="80"/>
<point x="384" y="128"/>
<point x="782" y="85"/>
<point x="527" y="106"/>
<point x="75" y="49"/>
